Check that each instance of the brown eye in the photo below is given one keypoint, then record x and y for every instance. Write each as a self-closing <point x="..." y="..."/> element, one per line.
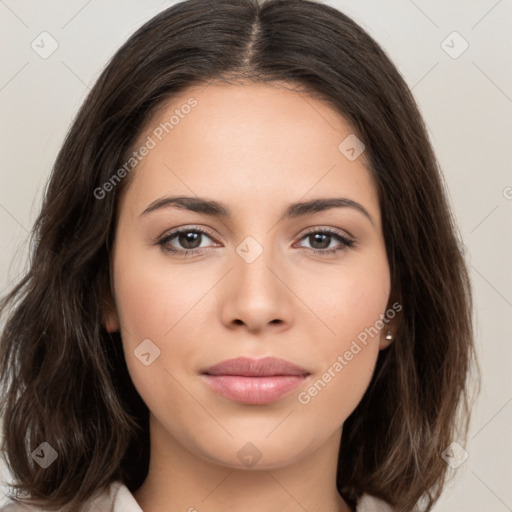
<point x="188" y="241"/>
<point x="321" y="239"/>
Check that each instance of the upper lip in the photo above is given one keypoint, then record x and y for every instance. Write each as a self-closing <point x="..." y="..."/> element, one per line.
<point x="247" y="367"/>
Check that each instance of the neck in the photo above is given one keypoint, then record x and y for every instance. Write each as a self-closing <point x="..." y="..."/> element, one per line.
<point x="179" y="480"/>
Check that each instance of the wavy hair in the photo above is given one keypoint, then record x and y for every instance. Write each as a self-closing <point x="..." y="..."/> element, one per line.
<point x="64" y="378"/>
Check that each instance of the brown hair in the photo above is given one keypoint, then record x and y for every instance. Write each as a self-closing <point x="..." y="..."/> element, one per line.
<point x="63" y="377"/>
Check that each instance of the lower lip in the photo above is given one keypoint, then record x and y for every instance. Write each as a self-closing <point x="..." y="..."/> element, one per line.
<point x="254" y="390"/>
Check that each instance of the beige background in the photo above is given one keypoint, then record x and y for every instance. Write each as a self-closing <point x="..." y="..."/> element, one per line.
<point x="466" y="102"/>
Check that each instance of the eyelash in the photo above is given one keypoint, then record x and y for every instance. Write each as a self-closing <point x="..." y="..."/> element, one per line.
<point x="347" y="243"/>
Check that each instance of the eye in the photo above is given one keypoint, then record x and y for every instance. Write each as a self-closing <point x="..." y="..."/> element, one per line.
<point x="189" y="238"/>
<point x="321" y="239"/>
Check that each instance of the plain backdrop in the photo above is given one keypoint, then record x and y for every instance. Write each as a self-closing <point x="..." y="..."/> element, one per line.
<point x="465" y="95"/>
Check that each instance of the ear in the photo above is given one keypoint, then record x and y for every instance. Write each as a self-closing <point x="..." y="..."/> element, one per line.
<point x="387" y="336"/>
<point x="110" y="317"/>
<point x="391" y="319"/>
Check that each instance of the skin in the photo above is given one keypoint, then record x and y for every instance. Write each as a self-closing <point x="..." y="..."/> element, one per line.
<point x="256" y="148"/>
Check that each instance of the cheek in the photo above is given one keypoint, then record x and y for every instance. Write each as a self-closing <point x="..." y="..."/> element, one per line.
<point x="151" y="297"/>
<point x="347" y="301"/>
<point x="348" y="351"/>
<point x="350" y="304"/>
<point x="160" y="306"/>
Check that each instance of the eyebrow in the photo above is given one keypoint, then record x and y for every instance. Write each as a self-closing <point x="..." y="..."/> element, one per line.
<point x="216" y="209"/>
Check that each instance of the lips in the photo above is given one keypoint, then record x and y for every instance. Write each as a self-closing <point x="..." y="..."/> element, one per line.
<point x="246" y="367"/>
<point x="254" y="381"/>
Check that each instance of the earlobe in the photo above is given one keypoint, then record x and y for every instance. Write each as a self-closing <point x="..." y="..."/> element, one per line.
<point x="388" y="332"/>
<point x="386" y="339"/>
<point x="111" y="321"/>
<point x="110" y="318"/>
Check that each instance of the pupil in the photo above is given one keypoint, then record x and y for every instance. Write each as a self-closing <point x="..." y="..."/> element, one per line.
<point x="187" y="240"/>
<point x="317" y="237"/>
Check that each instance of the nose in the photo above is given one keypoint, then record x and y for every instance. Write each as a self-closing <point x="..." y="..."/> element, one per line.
<point x="255" y="295"/>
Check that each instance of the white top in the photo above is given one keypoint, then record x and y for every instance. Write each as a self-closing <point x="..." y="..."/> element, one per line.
<point x="117" y="498"/>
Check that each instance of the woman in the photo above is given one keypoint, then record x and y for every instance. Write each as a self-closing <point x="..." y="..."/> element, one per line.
<point x="246" y="289"/>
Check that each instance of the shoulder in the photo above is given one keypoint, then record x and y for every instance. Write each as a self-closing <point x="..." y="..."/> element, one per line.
<point x="15" y="507"/>
<point x="115" y="498"/>
<point x="368" y="503"/>
<point x="11" y="506"/>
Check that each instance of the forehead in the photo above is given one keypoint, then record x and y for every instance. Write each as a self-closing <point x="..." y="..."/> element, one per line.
<point x="253" y="143"/>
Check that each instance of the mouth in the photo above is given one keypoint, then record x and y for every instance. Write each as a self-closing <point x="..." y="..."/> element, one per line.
<point x="254" y="381"/>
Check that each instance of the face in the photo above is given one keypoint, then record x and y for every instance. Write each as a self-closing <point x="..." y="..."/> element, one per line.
<point x="258" y="278"/>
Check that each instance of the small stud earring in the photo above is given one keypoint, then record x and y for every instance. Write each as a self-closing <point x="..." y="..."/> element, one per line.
<point x="389" y="336"/>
